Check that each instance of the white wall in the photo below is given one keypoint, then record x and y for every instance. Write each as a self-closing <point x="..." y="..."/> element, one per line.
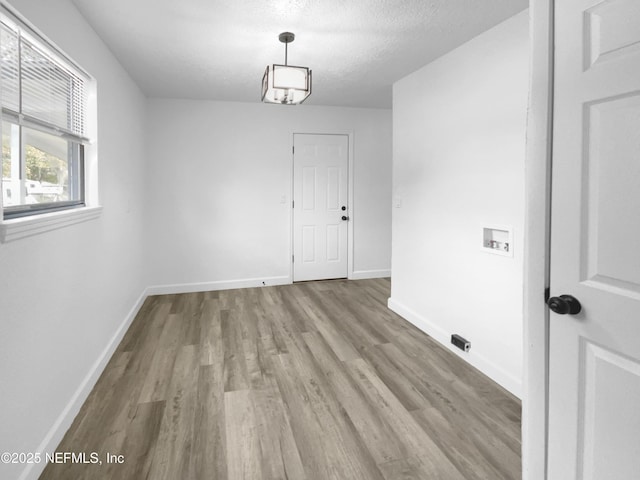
<point x="219" y="172"/>
<point x="65" y="293"/>
<point x="458" y="164"/>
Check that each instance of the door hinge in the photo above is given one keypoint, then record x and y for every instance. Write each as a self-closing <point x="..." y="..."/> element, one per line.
<point x="293" y="150"/>
<point x="293" y="259"/>
<point x="547" y="294"/>
<point x="293" y="203"/>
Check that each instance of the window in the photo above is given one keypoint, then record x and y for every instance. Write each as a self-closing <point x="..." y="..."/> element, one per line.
<point x="44" y="106"/>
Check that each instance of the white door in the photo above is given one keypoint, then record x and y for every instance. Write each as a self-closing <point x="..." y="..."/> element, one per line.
<point x="320" y="209"/>
<point x="594" y="364"/>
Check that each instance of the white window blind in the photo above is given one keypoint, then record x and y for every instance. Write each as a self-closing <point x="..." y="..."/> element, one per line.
<point x="9" y="68"/>
<point x="41" y="89"/>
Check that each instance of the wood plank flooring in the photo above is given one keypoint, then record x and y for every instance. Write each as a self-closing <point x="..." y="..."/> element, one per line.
<point x="311" y="381"/>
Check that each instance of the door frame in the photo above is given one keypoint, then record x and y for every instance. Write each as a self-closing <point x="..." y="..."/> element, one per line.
<point x="535" y="398"/>
<point x="350" y="183"/>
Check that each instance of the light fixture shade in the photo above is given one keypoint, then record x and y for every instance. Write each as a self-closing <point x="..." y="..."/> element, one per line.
<point x="286" y="84"/>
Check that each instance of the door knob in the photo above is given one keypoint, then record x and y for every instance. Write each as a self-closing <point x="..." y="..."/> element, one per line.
<point x="344" y="217"/>
<point x="343" y="208"/>
<point x="564" y="304"/>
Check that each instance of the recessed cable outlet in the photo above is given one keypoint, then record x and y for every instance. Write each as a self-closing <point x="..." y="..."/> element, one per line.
<point x="462" y="343"/>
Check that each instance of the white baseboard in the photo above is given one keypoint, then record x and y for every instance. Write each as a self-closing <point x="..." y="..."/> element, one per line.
<point x="479" y="361"/>
<point x="65" y="419"/>
<point x="219" y="285"/>
<point x="364" y="274"/>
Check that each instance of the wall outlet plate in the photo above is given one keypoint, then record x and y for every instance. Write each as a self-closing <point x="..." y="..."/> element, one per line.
<point x="462" y="343"/>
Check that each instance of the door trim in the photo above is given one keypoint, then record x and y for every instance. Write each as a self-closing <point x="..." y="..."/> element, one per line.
<point x="350" y="182"/>
<point x="535" y="398"/>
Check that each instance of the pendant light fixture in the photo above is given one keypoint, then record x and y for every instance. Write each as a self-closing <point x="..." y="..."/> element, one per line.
<point x="286" y="84"/>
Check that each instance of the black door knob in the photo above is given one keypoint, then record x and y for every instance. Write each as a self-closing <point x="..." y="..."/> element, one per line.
<point x="344" y="208"/>
<point x="344" y="217"/>
<point x="564" y="304"/>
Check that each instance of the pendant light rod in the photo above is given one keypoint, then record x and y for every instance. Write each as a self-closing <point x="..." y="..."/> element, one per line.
<point x="286" y="38"/>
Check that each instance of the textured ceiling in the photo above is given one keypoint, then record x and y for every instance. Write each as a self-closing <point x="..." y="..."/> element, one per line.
<point x="218" y="49"/>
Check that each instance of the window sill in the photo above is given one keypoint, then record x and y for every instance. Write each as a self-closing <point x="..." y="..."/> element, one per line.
<point x="17" y="228"/>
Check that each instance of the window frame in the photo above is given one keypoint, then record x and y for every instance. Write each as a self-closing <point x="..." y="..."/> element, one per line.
<point x="76" y="163"/>
<point x="18" y="221"/>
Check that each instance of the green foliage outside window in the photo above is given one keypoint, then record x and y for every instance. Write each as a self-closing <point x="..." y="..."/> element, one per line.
<point x="40" y="166"/>
<point x="6" y="161"/>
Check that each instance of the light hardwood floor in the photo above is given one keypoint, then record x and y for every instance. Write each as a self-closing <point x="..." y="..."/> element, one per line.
<point x="316" y="380"/>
